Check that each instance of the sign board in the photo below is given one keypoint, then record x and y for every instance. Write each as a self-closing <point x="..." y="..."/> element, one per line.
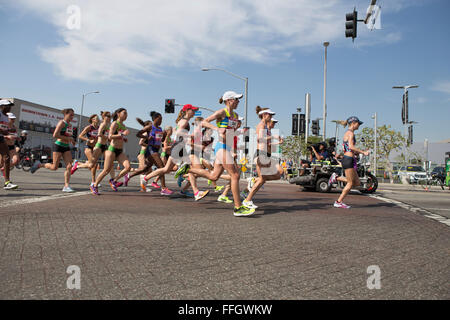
<point x="40" y="120"/>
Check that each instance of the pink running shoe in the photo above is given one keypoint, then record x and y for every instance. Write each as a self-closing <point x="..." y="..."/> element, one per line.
<point x="113" y="184"/>
<point x="341" y="205"/>
<point x="166" y="192"/>
<point x="126" y="179"/>
<point x="155" y="185"/>
<point x="74" y="167"/>
<point x="119" y="184"/>
<point x="333" y="179"/>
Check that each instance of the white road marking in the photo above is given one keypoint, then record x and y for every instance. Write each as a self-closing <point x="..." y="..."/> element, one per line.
<point x="5" y="204"/>
<point x="421" y="211"/>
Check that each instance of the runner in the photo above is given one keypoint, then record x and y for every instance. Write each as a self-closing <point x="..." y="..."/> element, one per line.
<point x="145" y="161"/>
<point x="349" y="164"/>
<point x="266" y="168"/>
<point x="90" y="136"/>
<point x="167" y="144"/>
<point x="5" y="108"/>
<point x="155" y="140"/>
<point x="101" y="146"/>
<point x="64" y="138"/>
<point x="226" y="120"/>
<point x="117" y="136"/>
<point x="182" y="137"/>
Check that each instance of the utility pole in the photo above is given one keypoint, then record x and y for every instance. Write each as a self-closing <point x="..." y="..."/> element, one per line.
<point x="325" y="44"/>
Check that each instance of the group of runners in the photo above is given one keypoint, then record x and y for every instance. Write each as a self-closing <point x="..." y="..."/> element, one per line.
<point x="106" y="135"/>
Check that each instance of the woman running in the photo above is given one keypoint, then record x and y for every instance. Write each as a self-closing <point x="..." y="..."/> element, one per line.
<point x="144" y="159"/>
<point x="226" y="120"/>
<point x="266" y="168"/>
<point x="117" y="136"/>
<point x="100" y="146"/>
<point x="5" y="108"/>
<point x="182" y="137"/>
<point x="90" y="135"/>
<point x="64" y="138"/>
<point x="155" y="140"/>
<point x="348" y="162"/>
<point x="167" y="144"/>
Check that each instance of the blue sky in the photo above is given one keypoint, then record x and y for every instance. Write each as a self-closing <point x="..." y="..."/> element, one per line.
<point x="138" y="53"/>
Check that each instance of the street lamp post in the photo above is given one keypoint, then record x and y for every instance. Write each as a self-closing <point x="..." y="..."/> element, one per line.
<point x="376" y="144"/>
<point x="325" y="44"/>
<point x="405" y="125"/>
<point x="79" y="122"/>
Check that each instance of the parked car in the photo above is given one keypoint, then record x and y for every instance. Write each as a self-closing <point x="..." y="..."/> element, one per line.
<point x="413" y="173"/>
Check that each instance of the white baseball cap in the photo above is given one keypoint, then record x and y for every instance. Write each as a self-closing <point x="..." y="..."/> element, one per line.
<point x="11" y="115"/>
<point x="274" y="120"/>
<point x="231" y="95"/>
<point x="241" y="119"/>
<point x="5" y="102"/>
<point x="266" y="111"/>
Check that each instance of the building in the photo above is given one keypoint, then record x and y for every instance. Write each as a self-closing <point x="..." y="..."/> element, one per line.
<point x="40" y="122"/>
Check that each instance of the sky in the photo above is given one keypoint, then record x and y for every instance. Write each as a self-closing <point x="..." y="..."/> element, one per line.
<point x="138" y="53"/>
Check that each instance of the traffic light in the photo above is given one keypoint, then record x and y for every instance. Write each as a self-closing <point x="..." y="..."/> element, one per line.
<point x="351" y="24"/>
<point x="315" y="127"/>
<point x="170" y="106"/>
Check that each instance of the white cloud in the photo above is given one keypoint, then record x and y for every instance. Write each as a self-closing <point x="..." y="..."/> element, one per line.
<point x="441" y="86"/>
<point x="124" y="40"/>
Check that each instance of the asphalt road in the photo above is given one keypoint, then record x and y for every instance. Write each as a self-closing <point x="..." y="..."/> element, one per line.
<point x="133" y="245"/>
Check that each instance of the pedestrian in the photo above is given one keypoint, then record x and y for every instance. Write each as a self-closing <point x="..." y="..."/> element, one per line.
<point x="5" y="108"/>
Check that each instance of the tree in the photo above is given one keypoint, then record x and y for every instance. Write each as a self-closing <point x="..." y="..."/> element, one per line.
<point x="388" y="140"/>
<point x="294" y="147"/>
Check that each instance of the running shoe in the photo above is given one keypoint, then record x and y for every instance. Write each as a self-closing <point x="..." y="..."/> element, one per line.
<point x="249" y="204"/>
<point x="244" y="195"/>
<point x="68" y="190"/>
<point x="166" y="192"/>
<point x="341" y="205"/>
<point x="74" y="167"/>
<point x="218" y="188"/>
<point x="119" y="184"/>
<point x="113" y="184"/>
<point x="155" y="185"/>
<point x="10" y="186"/>
<point x="126" y="178"/>
<point x="187" y="193"/>
<point x="144" y="187"/>
<point x="180" y="180"/>
<point x="333" y="179"/>
<point x="209" y="182"/>
<point x="94" y="190"/>
<point x="35" y="166"/>
<point x="201" y="194"/>
<point x="224" y="199"/>
<point x="243" y="211"/>
<point x="182" y="170"/>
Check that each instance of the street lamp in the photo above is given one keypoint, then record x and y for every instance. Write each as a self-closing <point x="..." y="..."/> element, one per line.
<point x="79" y="122"/>
<point x="405" y="88"/>
<point x="325" y="44"/>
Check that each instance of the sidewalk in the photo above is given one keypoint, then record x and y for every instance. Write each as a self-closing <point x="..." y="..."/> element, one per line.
<point x="410" y="187"/>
